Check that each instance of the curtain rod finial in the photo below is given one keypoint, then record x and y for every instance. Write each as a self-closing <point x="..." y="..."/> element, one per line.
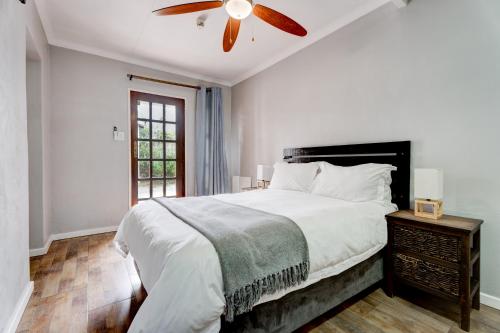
<point x="130" y="76"/>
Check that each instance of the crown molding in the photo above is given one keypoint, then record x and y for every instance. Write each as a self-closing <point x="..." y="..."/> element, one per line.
<point x="309" y="40"/>
<point x="52" y="40"/>
<point x="41" y="7"/>
<point x="312" y="38"/>
<point x="136" y="61"/>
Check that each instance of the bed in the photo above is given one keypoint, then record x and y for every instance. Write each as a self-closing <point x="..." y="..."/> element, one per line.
<point x="180" y="270"/>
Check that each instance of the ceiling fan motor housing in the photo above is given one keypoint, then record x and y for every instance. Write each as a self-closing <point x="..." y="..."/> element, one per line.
<point x="239" y="9"/>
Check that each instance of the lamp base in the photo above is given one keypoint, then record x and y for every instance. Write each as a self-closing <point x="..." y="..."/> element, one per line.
<point x="262" y="184"/>
<point x="436" y="211"/>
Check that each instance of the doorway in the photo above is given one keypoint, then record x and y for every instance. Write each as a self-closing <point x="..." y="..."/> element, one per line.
<point x="157" y="146"/>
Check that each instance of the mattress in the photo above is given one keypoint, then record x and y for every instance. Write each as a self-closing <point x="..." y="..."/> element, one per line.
<point x="181" y="273"/>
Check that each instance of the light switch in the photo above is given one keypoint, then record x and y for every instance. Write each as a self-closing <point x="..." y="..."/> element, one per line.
<point x="119" y="136"/>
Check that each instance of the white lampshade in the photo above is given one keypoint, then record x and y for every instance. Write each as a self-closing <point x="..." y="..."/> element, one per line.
<point x="429" y="184"/>
<point x="239" y="9"/>
<point x="264" y="172"/>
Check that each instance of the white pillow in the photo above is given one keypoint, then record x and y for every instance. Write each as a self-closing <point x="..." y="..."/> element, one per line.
<point x="294" y="176"/>
<point x="365" y="182"/>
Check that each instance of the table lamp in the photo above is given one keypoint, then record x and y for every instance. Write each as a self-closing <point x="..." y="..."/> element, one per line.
<point x="429" y="193"/>
<point x="264" y="175"/>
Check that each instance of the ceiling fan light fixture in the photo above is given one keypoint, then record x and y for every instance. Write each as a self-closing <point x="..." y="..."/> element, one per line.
<point x="239" y="9"/>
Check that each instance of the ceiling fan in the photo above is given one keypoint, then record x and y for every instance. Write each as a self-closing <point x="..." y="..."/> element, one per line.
<point x="238" y="10"/>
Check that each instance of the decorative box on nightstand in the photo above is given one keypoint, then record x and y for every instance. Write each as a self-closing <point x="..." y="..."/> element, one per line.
<point x="440" y="257"/>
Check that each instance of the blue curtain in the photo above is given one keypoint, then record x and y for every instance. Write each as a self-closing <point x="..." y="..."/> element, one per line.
<point x="211" y="163"/>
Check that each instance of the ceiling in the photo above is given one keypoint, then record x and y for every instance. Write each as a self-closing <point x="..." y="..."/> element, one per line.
<point x="126" y="30"/>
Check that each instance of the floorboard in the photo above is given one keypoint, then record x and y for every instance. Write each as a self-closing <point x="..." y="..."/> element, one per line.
<point x="83" y="285"/>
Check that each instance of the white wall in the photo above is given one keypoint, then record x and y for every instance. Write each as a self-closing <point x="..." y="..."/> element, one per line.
<point x="90" y="171"/>
<point x="429" y="73"/>
<point x="35" y="151"/>
<point x="14" y="275"/>
<point x="39" y="127"/>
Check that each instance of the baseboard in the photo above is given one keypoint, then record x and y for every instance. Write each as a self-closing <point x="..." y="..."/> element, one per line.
<point x="16" y="316"/>
<point x="80" y="233"/>
<point x="491" y="301"/>
<point x="86" y="232"/>
<point x="42" y="250"/>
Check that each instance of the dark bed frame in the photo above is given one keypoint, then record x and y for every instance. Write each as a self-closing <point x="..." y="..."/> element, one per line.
<point x="394" y="153"/>
<point x="298" y="308"/>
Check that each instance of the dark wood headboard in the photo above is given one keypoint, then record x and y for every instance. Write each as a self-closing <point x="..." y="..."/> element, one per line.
<point x="394" y="153"/>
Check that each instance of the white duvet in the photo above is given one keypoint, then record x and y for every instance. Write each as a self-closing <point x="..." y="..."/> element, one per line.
<point x="180" y="269"/>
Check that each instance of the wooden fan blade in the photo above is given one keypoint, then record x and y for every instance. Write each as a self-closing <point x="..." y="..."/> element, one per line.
<point x="189" y="8"/>
<point x="279" y="20"/>
<point x="230" y="34"/>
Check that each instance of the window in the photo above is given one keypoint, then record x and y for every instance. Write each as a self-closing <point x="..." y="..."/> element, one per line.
<point x="157" y="130"/>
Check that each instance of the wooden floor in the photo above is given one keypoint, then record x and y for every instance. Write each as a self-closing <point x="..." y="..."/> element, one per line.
<point x="83" y="285"/>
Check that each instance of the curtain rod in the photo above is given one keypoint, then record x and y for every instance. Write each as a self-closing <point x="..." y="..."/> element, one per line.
<point x="133" y="76"/>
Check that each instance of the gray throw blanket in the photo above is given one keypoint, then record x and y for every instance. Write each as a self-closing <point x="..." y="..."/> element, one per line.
<point x="259" y="253"/>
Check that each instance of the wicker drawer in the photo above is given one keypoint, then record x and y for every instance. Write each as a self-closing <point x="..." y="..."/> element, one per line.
<point x="433" y="244"/>
<point x="431" y="275"/>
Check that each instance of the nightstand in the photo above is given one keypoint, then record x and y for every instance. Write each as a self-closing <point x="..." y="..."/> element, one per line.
<point x="440" y="257"/>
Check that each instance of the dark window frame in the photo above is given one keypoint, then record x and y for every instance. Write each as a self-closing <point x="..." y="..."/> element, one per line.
<point x="135" y="97"/>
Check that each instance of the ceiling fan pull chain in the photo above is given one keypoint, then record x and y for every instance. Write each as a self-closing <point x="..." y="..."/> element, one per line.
<point x="253" y="30"/>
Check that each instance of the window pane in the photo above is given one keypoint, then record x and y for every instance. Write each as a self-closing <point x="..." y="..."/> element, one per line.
<point x="170" y="131"/>
<point x="143" y="129"/>
<point x="157" y="188"/>
<point x="158" y="131"/>
<point x="143" y="149"/>
<point x="171" y="165"/>
<point x="143" y="110"/>
<point x="157" y="111"/>
<point x="171" y="188"/>
<point x="170" y="113"/>
<point x="158" y="169"/>
<point x="143" y="189"/>
<point x="170" y="150"/>
<point x="158" y="150"/>
<point x="143" y="169"/>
